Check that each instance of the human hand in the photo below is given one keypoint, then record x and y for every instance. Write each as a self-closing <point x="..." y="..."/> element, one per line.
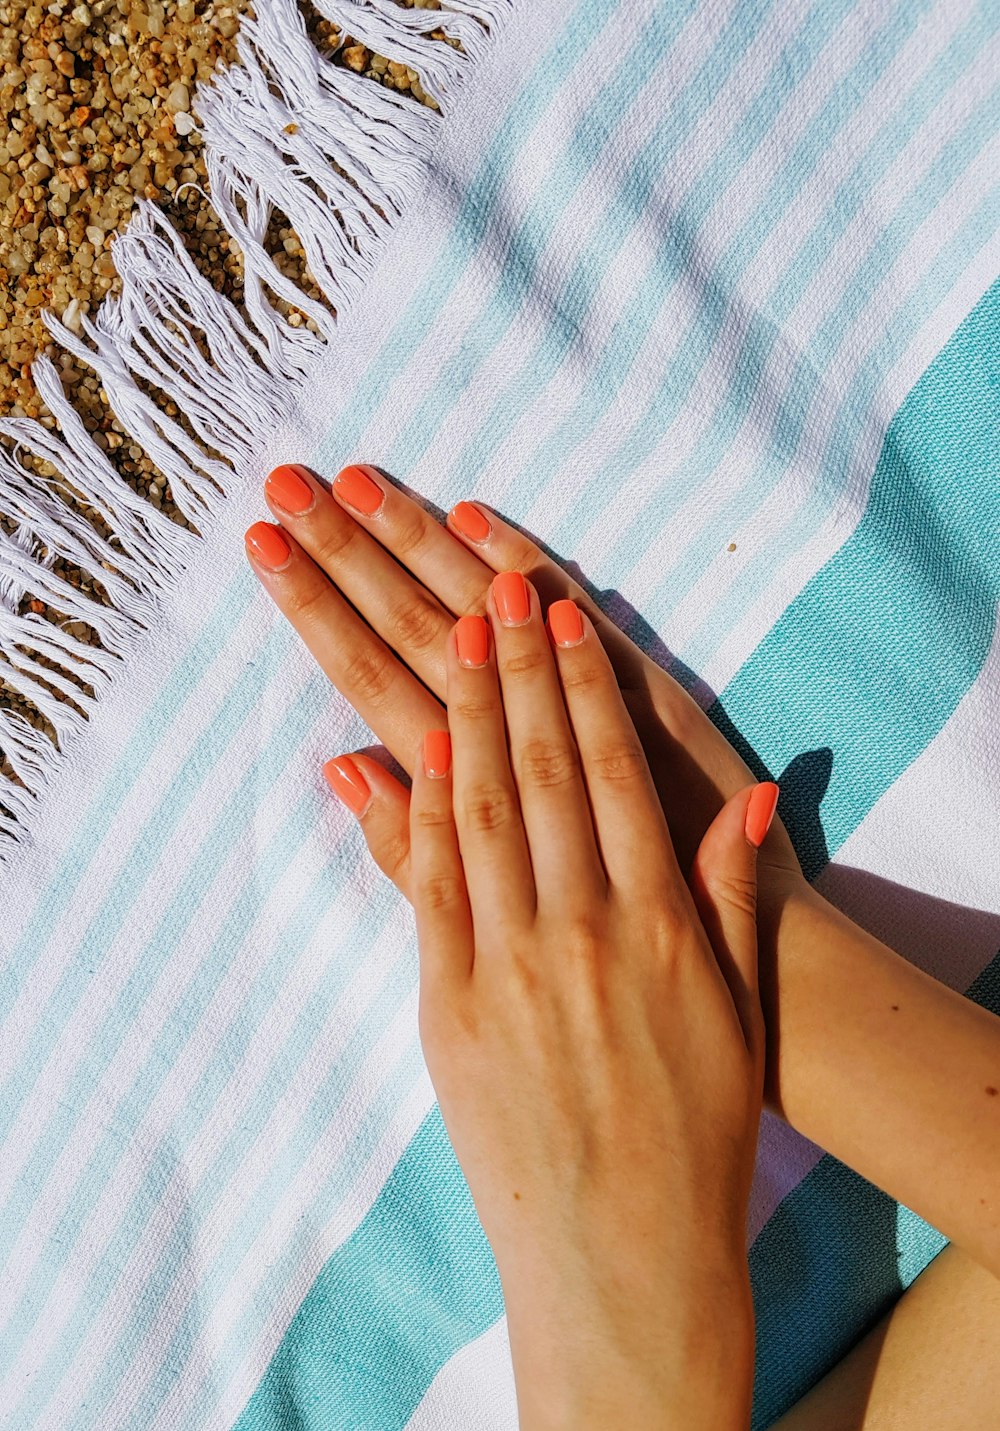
<point x="373" y="583"/>
<point x="591" y="1026"/>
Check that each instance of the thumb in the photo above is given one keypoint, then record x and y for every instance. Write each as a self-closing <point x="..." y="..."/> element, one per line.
<point x="381" y="805"/>
<point x="724" y="888"/>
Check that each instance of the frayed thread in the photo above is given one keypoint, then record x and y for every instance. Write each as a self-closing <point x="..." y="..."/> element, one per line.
<point x="285" y="128"/>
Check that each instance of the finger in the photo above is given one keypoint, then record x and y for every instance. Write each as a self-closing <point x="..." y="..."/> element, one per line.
<point x="632" y="833"/>
<point x="543" y="752"/>
<point x="415" y="538"/>
<point x="437" y="877"/>
<point x="381" y="688"/>
<point x="491" y="832"/>
<point x="724" y="889"/>
<point x="399" y="608"/>
<point x="503" y="548"/>
<point x="381" y="805"/>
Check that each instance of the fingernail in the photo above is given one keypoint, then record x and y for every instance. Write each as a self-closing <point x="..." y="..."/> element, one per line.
<point x="286" y="486"/>
<point x="470" y="522"/>
<point x="760" y="811"/>
<point x="472" y="638"/>
<point x="348" y="784"/>
<point x="510" y="592"/>
<point x="267" y="545"/>
<point x="565" y="623"/>
<point x="358" y="488"/>
<point x="437" y="753"/>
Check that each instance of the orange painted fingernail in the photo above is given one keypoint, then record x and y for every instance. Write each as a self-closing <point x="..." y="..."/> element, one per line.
<point x="760" y="811"/>
<point x="437" y="753"/>
<point x="470" y="522"/>
<point x="472" y="639"/>
<point x="267" y="545"/>
<point x="348" y="784"/>
<point x="565" y="623"/>
<point x="287" y="486"/>
<point x="510" y="592"/>
<point x="358" y="488"/>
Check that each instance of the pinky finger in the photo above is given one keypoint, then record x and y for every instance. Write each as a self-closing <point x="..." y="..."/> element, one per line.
<point x="380" y="804"/>
<point x="438" y="889"/>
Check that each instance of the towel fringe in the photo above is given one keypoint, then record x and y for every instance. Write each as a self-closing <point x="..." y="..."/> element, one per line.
<point x="284" y="129"/>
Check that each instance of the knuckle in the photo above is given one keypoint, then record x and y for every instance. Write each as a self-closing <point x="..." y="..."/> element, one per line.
<point x="546" y="763"/>
<point x="488" y="807"/>
<point x="473" y="707"/>
<point x="582" y="676"/>
<point x="618" y="761"/>
<point x="586" y="938"/>
<point x="409" y="533"/>
<point x="333" y="540"/>
<point x="740" y="893"/>
<point x="417" y="621"/>
<point x="369" y="674"/>
<point x="307" y="600"/>
<point x="393" y="856"/>
<point x="525" y="663"/>
<point x="432" y="817"/>
<point x="442" y="891"/>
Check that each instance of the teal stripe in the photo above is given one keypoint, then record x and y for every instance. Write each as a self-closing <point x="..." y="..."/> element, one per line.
<point x="416" y="1281"/>
<point x="949" y="424"/>
<point x="835" y="1242"/>
<point x="379" y="399"/>
<point x="919" y="576"/>
<point x="845" y="437"/>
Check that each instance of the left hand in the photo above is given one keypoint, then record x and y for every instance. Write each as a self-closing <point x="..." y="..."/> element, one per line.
<point x="592" y="1028"/>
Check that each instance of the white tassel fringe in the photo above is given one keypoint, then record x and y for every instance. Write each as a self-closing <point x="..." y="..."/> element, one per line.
<point x="340" y="156"/>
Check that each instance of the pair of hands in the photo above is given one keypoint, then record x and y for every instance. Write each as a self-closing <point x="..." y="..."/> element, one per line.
<point x="579" y="846"/>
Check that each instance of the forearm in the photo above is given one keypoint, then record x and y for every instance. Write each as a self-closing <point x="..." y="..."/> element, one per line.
<point x="884" y="1067"/>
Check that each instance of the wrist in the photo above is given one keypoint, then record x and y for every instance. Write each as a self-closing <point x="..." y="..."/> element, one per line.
<point x="687" y="1361"/>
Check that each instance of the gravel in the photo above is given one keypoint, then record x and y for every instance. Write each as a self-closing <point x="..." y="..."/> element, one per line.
<point x="95" y="104"/>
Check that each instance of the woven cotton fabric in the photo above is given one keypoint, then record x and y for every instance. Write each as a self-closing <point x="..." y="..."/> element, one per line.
<point x="704" y="296"/>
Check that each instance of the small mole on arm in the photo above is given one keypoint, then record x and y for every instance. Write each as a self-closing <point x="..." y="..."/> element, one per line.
<point x="991" y="1091"/>
<point x="895" y="1008"/>
<point x="518" y="1195"/>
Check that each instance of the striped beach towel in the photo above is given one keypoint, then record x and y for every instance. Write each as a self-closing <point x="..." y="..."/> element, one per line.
<point x="704" y="295"/>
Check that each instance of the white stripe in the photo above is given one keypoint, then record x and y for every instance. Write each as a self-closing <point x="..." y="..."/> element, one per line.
<point x="474" y="1389"/>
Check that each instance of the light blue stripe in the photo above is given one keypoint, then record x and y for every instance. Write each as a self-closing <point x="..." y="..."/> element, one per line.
<point x="678" y="384"/>
<point x="187" y="676"/>
<point x="917" y="581"/>
<point x="121" y="1017"/>
<point x="295" y="1147"/>
<point x="633" y="203"/>
<point x="597" y="128"/>
<point x="471" y="225"/>
<point x="415" y="1282"/>
<point x="846" y="1242"/>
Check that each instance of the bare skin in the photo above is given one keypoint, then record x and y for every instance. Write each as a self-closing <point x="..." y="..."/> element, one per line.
<point x="568" y="988"/>
<point x="374" y="598"/>
<point x="931" y="1361"/>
